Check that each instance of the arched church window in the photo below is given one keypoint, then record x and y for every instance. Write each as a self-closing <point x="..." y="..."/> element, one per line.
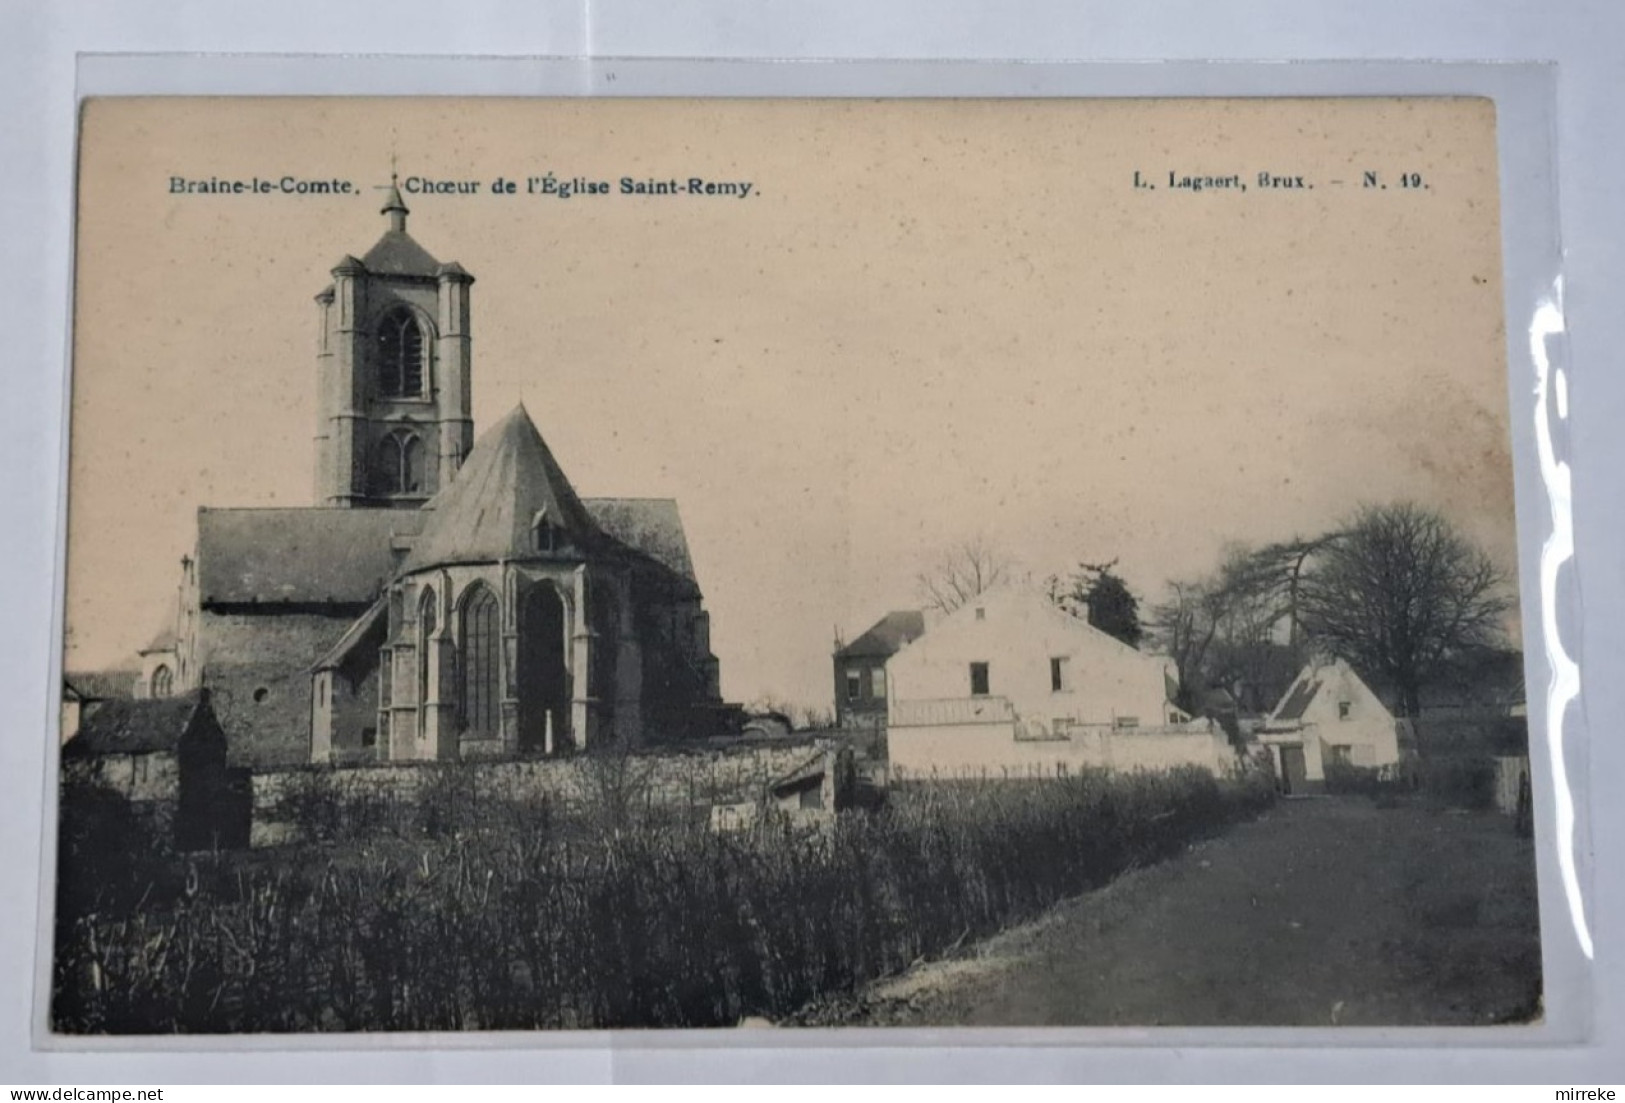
<point x="163" y="682"/>
<point x="480" y="654"/>
<point x="400" y="354"/>
<point x="426" y="627"/>
<point x="411" y="464"/>
<point x="397" y="466"/>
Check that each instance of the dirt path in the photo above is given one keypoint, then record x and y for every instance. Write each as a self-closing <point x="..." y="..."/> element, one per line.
<point x="1329" y="911"/>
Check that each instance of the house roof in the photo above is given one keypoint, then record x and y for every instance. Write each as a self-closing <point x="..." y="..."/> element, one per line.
<point x="1307" y="685"/>
<point x="133" y="727"/>
<point x="1298" y="698"/>
<point x="887" y="636"/>
<point x="103" y="685"/>
<point x="806" y="775"/>
<point x="488" y="511"/>
<point x="297" y="556"/>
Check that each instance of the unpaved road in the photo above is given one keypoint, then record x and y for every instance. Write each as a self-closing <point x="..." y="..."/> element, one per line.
<point x="1324" y="912"/>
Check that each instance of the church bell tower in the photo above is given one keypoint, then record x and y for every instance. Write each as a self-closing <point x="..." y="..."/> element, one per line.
<point x="393" y="373"/>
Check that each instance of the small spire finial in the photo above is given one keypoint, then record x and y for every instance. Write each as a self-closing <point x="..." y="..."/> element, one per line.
<point x="394" y="205"/>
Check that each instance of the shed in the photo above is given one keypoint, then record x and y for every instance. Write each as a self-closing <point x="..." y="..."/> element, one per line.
<point x="167" y="758"/>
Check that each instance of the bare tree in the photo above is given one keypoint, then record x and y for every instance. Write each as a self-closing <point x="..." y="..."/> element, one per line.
<point x="1184" y="627"/>
<point x="962" y="572"/>
<point x="1399" y="593"/>
<point x="1222" y="630"/>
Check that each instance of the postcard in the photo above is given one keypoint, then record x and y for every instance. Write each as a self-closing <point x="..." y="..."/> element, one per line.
<point x="696" y="563"/>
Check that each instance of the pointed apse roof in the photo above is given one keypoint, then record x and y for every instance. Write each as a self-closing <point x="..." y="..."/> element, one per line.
<point x="489" y="510"/>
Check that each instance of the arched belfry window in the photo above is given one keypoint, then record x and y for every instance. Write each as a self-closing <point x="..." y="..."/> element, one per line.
<point x="397" y="466"/>
<point x="163" y="682"/>
<point x="401" y="351"/>
<point x="480" y="655"/>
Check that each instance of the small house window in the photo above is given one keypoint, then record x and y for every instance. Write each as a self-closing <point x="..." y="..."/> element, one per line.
<point x="1058" y="675"/>
<point x="877" y="681"/>
<point x="1340" y="754"/>
<point x="1343" y="709"/>
<point x="981" y="613"/>
<point x="978" y="680"/>
<point x="369" y="737"/>
<point x="854" y="685"/>
<point x="811" y="797"/>
<point x="400" y="354"/>
<point x="1126" y="722"/>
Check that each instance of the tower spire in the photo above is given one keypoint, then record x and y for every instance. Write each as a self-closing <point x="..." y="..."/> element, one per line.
<point x="394" y="205"/>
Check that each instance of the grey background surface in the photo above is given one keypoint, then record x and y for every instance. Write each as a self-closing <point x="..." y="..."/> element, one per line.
<point x="1586" y="40"/>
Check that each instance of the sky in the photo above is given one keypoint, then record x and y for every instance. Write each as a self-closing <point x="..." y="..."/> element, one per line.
<point x="928" y="321"/>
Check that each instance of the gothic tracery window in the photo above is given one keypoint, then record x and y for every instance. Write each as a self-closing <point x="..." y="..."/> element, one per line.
<point x="398" y="465"/>
<point x="426" y="627"/>
<point x="480" y="655"/>
<point x="400" y="354"/>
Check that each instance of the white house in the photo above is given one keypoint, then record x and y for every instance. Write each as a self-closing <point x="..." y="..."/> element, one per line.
<point x="1328" y="715"/>
<point x="1010" y="685"/>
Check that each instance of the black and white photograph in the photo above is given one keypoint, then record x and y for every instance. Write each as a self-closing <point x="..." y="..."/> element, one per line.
<point x="550" y="565"/>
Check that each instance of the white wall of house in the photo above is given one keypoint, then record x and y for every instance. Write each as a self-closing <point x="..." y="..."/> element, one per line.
<point x="993" y="751"/>
<point x="1021" y="637"/>
<point x="1060" y="696"/>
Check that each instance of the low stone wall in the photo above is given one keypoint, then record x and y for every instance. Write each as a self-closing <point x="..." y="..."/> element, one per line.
<point x="698" y="775"/>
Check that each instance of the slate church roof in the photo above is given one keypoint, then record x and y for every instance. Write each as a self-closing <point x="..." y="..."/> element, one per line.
<point x="489" y="510"/>
<point x="652" y="526"/>
<point x="303" y="556"/>
<point x="398" y="254"/>
<point x="324" y="556"/>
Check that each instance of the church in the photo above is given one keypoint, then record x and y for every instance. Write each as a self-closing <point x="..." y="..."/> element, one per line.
<point x="446" y="598"/>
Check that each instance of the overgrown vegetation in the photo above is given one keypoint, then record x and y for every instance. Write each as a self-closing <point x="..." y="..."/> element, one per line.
<point x="1459" y="781"/>
<point x="623" y="920"/>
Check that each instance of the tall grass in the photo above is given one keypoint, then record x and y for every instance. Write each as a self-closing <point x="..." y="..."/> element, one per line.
<point x="626" y="922"/>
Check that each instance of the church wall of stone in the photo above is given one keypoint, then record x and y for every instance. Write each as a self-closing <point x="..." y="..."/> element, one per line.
<point x="350" y="712"/>
<point x="258" y="667"/>
<point x="601" y="638"/>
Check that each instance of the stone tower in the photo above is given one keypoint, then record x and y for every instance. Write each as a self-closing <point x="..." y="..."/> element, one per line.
<point x="392" y="370"/>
